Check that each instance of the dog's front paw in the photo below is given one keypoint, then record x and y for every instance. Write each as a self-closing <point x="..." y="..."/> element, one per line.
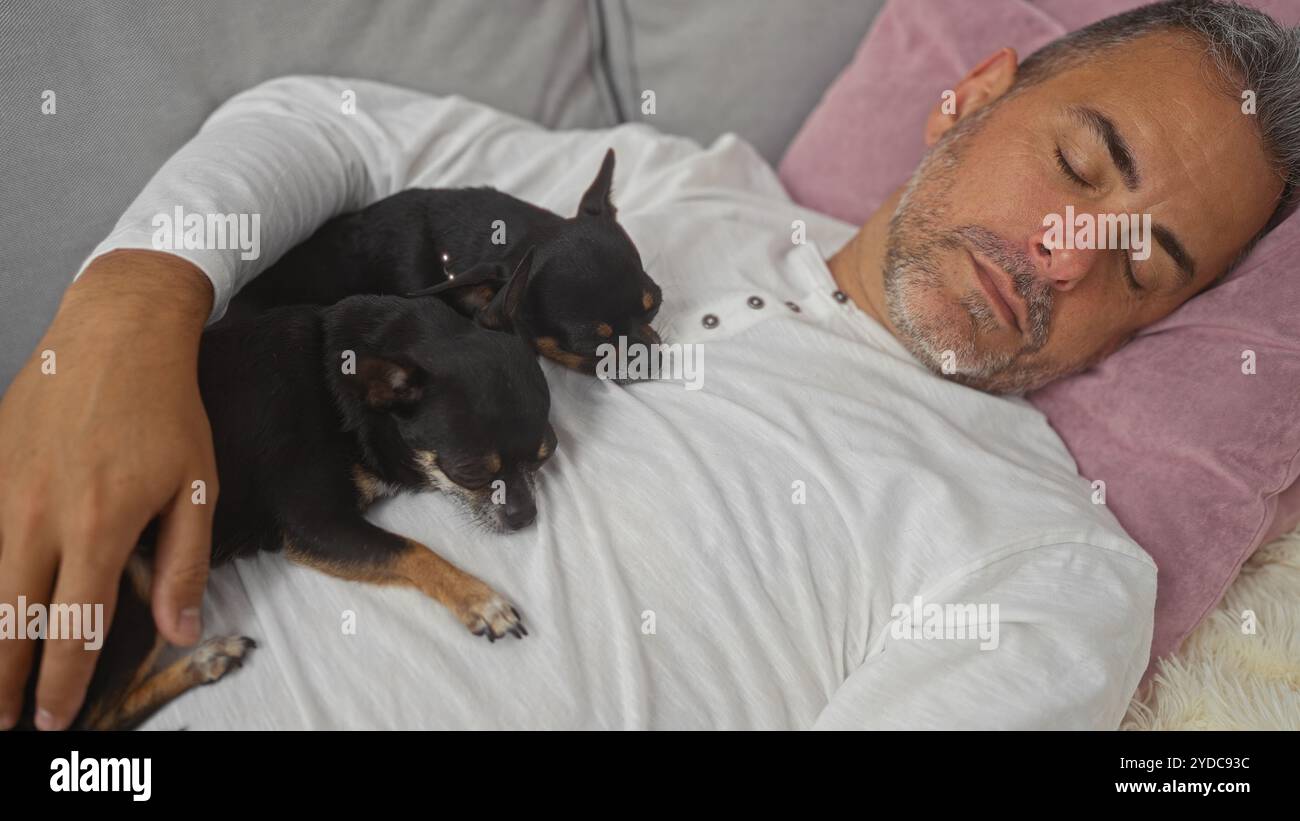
<point x="490" y="615"/>
<point x="216" y="657"/>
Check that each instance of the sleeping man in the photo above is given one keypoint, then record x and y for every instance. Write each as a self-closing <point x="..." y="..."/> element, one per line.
<point x="854" y="522"/>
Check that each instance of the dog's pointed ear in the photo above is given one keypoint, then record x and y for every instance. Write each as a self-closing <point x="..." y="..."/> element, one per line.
<point x="502" y="313"/>
<point x="479" y="274"/>
<point x="596" y="202"/>
<point x="385" y="383"/>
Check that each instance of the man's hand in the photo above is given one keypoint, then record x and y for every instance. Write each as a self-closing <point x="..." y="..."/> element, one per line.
<point x="101" y="431"/>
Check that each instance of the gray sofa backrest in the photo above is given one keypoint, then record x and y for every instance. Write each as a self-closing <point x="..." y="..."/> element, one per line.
<point x="133" y="80"/>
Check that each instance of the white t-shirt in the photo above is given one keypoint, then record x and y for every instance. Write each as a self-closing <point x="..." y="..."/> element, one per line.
<point x="765" y="552"/>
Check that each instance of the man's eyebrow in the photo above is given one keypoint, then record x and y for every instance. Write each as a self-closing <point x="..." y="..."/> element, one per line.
<point x="1120" y="154"/>
<point x="1177" y="252"/>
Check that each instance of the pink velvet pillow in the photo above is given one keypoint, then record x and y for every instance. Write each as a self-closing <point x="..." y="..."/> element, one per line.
<point x="1194" y="451"/>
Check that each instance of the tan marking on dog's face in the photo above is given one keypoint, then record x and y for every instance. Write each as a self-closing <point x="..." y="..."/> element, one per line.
<point x="493" y="462"/>
<point x="478" y="500"/>
<point x="427" y="462"/>
<point x="550" y="348"/>
<point x="647" y="300"/>
<point x="543" y="451"/>
<point x="604" y="330"/>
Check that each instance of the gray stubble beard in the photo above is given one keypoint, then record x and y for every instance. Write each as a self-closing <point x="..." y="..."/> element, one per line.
<point x="916" y="240"/>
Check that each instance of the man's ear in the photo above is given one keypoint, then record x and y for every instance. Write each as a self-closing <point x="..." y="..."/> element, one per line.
<point x="386" y="382"/>
<point x="502" y="313"/>
<point x="596" y="202"/>
<point x="985" y="83"/>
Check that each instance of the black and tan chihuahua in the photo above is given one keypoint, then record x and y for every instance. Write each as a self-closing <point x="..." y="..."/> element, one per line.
<point x="315" y="414"/>
<point x="586" y="284"/>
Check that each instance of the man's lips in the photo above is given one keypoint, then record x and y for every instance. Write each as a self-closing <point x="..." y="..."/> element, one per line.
<point x="1000" y="292"/>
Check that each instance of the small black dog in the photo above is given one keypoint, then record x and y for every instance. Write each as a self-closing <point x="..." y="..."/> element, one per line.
<point x="315" y="414"/>
<point x="586" y="284"/>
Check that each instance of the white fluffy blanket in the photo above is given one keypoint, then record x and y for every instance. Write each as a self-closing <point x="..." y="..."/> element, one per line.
<point x="1227" y="677"/>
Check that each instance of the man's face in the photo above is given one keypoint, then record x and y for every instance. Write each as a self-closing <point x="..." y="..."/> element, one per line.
<point x="975" y="282"/>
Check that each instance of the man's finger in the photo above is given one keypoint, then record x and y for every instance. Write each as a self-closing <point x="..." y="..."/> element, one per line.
<point x="181" y="562"/>
<point x="78" y="620"/>
<point x="29" y="573"/>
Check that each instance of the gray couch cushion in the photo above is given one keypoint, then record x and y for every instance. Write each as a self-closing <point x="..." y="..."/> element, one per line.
<point x="134" y="80"/>
<point x="755" y="67"/>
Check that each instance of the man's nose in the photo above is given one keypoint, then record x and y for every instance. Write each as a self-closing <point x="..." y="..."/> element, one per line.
<point x="1063" y="268"/>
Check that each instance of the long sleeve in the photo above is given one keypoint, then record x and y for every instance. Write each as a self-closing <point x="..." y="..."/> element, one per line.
<point x="283" y="151"/>
<point x="1073" y="635"/>
<point x="289" y="152"/>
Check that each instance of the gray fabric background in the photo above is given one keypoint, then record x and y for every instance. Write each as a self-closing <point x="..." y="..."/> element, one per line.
<point x="134" y="79"/>
<point x="755" y="67"/>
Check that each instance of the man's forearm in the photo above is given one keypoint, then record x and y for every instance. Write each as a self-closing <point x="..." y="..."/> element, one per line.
<point x="138" y="285"/>
<point x="299" y="150"/>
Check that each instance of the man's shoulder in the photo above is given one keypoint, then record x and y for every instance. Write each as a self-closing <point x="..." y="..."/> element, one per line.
<point x="1103" y="541"/>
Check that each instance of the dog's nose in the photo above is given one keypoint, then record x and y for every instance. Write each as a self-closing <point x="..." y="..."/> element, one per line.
<point x="520" y="510"/>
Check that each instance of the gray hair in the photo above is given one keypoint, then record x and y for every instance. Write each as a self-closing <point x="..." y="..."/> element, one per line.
<point x="1250" y="49"/>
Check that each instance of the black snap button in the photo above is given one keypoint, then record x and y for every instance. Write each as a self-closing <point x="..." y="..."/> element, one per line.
<point x="755" y="302"/>
<point x="792" y="307"/>
<point x="840" y="297"/>
<point x="710" y="321"/>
